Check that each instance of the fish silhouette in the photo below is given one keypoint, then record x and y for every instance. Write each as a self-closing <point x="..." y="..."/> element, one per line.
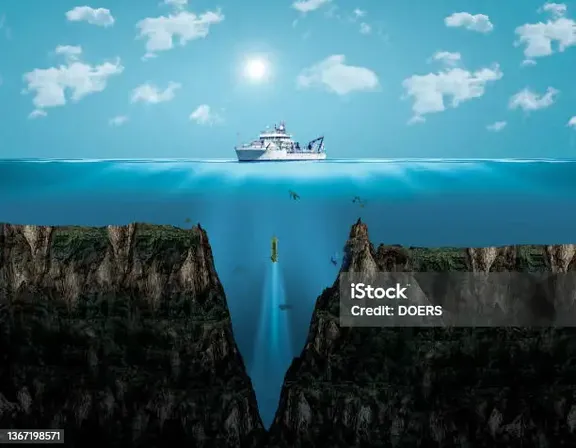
<point x="293" y="195"/>
<point x="358" y="200"/>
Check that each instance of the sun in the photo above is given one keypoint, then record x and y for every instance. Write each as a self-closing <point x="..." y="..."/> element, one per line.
<point x="256" y="69"/>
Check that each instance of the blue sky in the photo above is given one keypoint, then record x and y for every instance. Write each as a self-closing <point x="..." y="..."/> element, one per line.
<point x="163" y="79"/>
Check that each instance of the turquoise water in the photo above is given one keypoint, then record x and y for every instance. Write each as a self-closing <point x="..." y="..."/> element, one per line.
<point x="422" y="202"/>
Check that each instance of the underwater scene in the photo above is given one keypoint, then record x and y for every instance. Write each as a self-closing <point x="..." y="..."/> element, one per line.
<point x="277" y="230"/>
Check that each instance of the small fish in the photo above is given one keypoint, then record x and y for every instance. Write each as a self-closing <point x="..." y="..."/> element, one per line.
<point x="334" y="259"/>
<point x="187" y="220"/>
<point x="359" y="201"/>
<point x="285" y="307"/>
<point x="293" y="195"/>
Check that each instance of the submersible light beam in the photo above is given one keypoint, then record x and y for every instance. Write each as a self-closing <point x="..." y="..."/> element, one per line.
<point x="274" y="249"/>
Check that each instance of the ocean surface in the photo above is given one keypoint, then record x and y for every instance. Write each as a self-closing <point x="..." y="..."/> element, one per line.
<point x="418" y="202"/>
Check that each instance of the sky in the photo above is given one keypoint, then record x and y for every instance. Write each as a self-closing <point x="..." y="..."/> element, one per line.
<point x="378" y="79"/>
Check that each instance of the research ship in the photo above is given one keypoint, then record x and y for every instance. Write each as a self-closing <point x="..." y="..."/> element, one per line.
<point x="277" y="145"/>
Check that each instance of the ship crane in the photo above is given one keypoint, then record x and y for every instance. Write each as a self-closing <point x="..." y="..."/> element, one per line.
<point x="316" y="145"/>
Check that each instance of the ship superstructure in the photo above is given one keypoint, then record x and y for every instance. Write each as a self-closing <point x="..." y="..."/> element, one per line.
<point x="278" y="145"/>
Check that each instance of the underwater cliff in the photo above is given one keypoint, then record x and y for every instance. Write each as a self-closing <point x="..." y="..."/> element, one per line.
<point x="431" y="387"/>
<point x="121" y="336"/>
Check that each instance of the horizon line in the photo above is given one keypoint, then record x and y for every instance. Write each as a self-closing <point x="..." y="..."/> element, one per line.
<point x="344" y="159"/>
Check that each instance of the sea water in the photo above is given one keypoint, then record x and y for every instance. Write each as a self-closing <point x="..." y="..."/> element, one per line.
<point x="419" y="202"/>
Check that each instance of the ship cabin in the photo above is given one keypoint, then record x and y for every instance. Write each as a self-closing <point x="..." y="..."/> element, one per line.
<point x="279" y="138"/>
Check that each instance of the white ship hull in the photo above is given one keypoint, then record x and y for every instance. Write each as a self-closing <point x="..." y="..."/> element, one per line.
<point x="263" y="155"/>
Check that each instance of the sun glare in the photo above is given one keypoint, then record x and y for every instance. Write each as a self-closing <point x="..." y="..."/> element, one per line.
<point x="256" y="69"/>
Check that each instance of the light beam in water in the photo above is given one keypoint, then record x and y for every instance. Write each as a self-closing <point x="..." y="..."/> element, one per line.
<point x="273" y="351"/>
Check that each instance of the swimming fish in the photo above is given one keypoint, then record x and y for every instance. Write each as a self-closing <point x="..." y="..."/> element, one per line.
<point x="293" y="195"/>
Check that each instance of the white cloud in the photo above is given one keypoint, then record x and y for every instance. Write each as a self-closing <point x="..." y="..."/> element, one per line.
<point x="70" y="52"/>
<point x="99" y="16"/>
<point x="37" y="113"/>
<point x="185" y="26"/>
<point x="305" y="6"/>
<point x="447" y="57"/>
<point x="203" y="115"/>
<point x="76" y="78"/>
<point x="333" y="74"/>
<point x="555" y="9"/>
<point x="572" y="122"/>
<point x="430" y="91"/>
<point x="356" y="17"/>
<point x="4" y="26"/>
<point x="478" y="22"/>
<point x="334" y="13"/>
<point x="416" y="119"/>
<point x="148" y="56"/>
<point x="496" y="126"/>
<point x="538" y="38"/>
<point x="365" y="28"/>
<point x="176" y="4"/>
<point x="118" y="120"/>
<point x="149" y="93"/>
<point x="530" y="101"/>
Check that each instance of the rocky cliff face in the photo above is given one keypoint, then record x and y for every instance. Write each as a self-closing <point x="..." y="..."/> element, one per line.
<point x="433" y="387"/>
<point x="121" y="336"/>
